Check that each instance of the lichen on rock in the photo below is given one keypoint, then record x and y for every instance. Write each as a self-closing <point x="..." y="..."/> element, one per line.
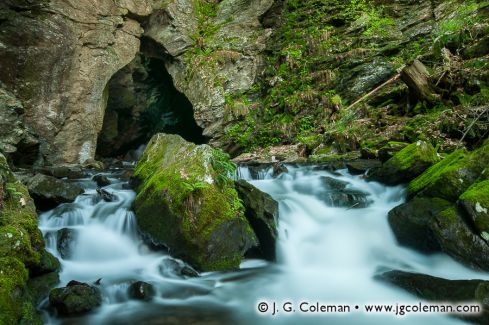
<point x="188" y="203"/>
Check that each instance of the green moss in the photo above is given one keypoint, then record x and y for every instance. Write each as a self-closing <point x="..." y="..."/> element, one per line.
<point x="186" y="197"/>
<point x="451" y="163"/>
<point x="413" y="154"/>
<point x="13" y="278"/>
<point x="476" y="200"/>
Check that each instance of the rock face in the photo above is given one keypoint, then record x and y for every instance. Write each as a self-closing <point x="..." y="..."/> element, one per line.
<point x="75" y="299"/>
<point x="407" y="164"/>
<point x="187" y="202"/>
<point x="21" y="250"/>
<point x="261" y="210"/>
<point x="48" y="192"/>
<point x="88" y="42"/>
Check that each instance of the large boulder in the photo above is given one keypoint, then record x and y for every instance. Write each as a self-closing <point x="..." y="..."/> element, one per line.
<point x="435" y="289"/>
<point x="261" y="210"/>
<point x="75" y="299"/>
<point x="187" y="202"/>
<point x="49" y="192"/>
<point x="407" y="164"/>
<point x="411" y="222"/>
<point x="452" y="176"/>
<point x="475" y="202"/>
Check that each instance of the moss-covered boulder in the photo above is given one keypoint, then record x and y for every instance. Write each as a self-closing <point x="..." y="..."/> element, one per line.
<point x="75" y="299"/>
<point x="457" y="239"/>
<point x="187" y="202"/>
<point x="452" y="176"/>
<point x="475" y="202"/>
<point x="407" y="164"/>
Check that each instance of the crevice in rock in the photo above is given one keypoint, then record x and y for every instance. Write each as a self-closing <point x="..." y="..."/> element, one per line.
<point x="143" y="101"/>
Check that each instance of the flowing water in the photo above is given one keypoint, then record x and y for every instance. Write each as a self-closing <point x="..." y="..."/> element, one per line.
<point x="324" y="254"/>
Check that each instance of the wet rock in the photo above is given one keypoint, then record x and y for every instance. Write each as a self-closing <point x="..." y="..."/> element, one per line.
<point x="261" y="210"/>
<point x="106" y="196"/>
<point x="475" y="203"/>
<point x="187" y="203"/>
<point x="407" y="164"/>
<point x="74" y="299"/>
<point x="93" y="164"/>
<point x="62" y="172"/>
<point x="101" y="180"/>
<point x="362" y="166"/>
<point x="171" y="267"/>
<point x="435" y="289"/>
<point x="48" y="192"/>
<point x="65" y="239"/>
<point x="335" y="193"/>
<point x="279" y="168"/>
<point x="47" y="264"/>
<point x="411" y="223"/>
<point x="141" y="291"/>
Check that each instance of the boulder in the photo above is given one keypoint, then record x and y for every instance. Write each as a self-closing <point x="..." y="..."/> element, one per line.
<point x="171" y="267"/>
<point x="407" y="164"/>
<point x="261" y="210"/>
<point x="75" y="299"/>
<point x="106" y="195"/>
<point x="475" y="203"/>
<point x="49" y="192"/>
<point x="187" y="202"/>
<point x="411" y="223"/>
<point x="286" y="153"/>
<point x="101" y="180"/>
<point x="141" y="291"/>
<point x="436" y="289"/>
<point x="64" y="241"/>
<point x="452" y="176"/>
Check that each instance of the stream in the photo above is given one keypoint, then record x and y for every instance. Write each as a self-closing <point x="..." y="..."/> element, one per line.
<point x="324" y="254"/>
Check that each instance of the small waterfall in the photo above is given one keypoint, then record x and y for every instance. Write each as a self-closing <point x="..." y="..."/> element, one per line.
<point x="328" y="251"/>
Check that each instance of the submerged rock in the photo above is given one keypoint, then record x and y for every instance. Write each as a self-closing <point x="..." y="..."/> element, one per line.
<point x="407" y="164"/>
<point x="141" y="291"/>
<point x="74" y="299"/>
<point x="66" y="237"/>
<point x="48" y="192"/>
<point x="106" y="196"/>
<point x="261" y="210"/>
<point x="101" y="180"/>
<point x="187" y="203"/>
<point x="336" y="193"/>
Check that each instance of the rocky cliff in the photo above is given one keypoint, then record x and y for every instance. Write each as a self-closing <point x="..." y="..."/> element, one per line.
<point x="58" y="57"/>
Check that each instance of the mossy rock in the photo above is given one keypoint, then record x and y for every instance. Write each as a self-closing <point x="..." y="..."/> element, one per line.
<point x="475" y="202"/>
<point x="458" y="240"/>
<point x="75" y="299"/>
<point x="40" y="286"/>
<point x="390" y="149"/>
<point x="411" y="223"/>
<point x="407" y="164"/>
<point x="16" y="306"/>
<point x="187" y="202"/>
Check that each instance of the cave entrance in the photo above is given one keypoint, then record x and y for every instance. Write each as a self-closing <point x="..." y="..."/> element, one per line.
<point x="143" y="101"/>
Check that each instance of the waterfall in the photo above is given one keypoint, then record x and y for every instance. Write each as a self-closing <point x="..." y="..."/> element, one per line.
<point x="326" y="253"/>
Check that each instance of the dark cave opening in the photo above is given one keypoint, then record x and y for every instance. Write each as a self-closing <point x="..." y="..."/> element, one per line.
<point x="143" y="101"/>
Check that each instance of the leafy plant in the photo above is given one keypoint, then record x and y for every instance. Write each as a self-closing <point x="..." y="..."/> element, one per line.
<point x="12" y="191"/>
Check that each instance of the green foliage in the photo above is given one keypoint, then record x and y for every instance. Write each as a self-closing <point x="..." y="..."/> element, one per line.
<point x="193" y="187"/>
<point x="12" y="191"/>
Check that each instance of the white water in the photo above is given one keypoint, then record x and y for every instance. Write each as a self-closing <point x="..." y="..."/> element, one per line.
<point x="325" y="254"/>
